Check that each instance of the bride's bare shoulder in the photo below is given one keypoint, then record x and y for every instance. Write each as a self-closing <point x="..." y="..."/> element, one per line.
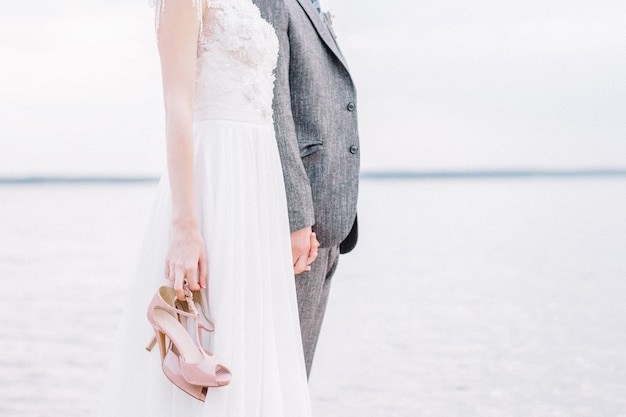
<point x="178" y="8"/>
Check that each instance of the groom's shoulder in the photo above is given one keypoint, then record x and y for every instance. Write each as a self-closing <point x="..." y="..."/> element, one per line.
<point x="274" y="11"/>
<point x="270" y="5"/>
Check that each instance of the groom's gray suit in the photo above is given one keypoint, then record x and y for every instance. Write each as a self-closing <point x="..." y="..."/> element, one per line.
<point x="315" y="118"/>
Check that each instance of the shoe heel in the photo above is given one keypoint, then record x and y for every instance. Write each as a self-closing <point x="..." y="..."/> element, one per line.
<point x="159" y="338"/>
<point x="151" y="344"/>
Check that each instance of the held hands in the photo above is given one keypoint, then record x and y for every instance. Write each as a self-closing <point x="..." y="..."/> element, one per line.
<point x="186" y="259"/>
<point x="303" y="249"/>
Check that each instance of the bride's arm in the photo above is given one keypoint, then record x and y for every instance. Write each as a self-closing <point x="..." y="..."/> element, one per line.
<point x="177" y="43"/>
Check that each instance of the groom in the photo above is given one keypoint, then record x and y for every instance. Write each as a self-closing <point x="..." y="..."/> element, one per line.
<point x="315" y="118"/>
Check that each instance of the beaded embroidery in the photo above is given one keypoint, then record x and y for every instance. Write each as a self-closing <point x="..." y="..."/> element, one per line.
<point x="237" y="53"/>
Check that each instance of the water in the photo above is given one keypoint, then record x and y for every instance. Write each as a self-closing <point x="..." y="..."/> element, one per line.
<point x="463" y="298"/>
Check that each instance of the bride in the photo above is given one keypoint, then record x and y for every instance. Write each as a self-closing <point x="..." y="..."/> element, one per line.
<point x="219" y="225"/>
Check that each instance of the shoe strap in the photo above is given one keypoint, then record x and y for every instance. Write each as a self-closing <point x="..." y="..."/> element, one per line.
<point x="195" y="314"/>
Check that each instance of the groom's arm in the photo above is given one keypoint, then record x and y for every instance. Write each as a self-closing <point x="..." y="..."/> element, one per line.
<point x="297" y="184"/>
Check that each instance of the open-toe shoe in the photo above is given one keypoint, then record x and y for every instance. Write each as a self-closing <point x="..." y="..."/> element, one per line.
<point x="195" y="365"/>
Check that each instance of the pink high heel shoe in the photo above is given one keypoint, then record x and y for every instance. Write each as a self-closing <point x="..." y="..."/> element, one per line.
<point x="184" y="362"/>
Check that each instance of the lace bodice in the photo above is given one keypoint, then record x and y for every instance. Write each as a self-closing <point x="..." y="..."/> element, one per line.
<point x="237" y="53"/>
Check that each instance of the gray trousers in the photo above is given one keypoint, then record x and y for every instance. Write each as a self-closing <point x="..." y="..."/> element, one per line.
<point x="312" y="289"/>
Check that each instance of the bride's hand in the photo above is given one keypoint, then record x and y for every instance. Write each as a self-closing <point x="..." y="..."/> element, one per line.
<point x="186" y="259"/>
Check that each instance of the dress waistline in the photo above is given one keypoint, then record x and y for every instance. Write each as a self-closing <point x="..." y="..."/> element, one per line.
<point x="233" y="114"/>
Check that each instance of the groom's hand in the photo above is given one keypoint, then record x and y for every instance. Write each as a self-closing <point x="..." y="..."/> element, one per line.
<point x="303" y="249"/>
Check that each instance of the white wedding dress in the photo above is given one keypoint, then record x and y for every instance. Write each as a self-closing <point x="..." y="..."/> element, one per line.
<point x="241" y="206"/>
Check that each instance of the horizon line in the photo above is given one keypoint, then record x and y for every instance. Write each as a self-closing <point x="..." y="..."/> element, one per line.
<point x="365" y="175"/>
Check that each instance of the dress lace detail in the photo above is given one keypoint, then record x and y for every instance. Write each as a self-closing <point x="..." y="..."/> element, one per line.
<point x="237" y="53"/>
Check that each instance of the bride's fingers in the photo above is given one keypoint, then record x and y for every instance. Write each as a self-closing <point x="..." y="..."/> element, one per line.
<point x="301" y="265"/>
<point x="168" y="272"/>
<point x="179" y="281"/>
<point x="310" y="259"/>
<point x="203" y="271"/>
<point x="194" y="284"/>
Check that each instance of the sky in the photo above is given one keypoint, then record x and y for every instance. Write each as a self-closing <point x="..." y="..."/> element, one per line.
<point x="441" y="85"/>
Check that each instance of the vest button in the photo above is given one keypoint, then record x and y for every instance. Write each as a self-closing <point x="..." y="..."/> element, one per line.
<point x="354" y="149"/>
<point x="351" y="106"/>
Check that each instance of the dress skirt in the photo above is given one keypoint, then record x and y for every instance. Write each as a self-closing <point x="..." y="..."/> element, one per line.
<point x="242" y="213"/>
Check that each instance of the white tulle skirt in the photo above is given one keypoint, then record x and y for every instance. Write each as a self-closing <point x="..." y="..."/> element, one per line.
<point x="242" y="212"/>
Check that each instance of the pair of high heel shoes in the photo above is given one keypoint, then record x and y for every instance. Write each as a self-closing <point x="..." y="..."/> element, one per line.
<point x="185" y="363"/>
